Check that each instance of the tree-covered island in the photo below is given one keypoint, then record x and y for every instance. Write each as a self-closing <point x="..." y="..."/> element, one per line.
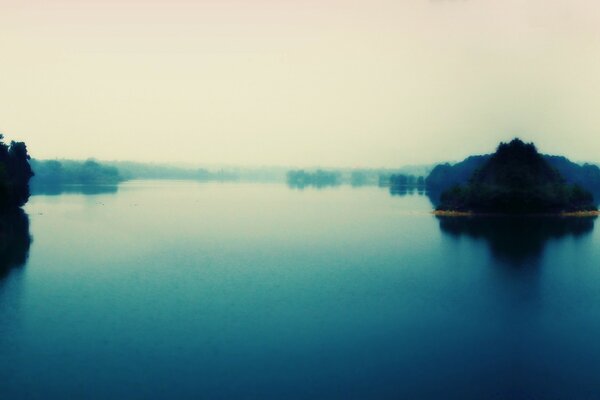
<point x="516" y="179"/>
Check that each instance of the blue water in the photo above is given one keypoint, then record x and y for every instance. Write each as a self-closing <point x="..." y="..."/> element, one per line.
<point x="183" y="290"/>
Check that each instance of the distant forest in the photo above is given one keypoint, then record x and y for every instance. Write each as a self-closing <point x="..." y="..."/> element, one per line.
<point x="430" y="179"/>
<point x="407" y="180"/>
<point x="67" y="172"/>
<point x="112" y="172"/>
<point x="320" y="178"/>
<point x="53" y="172"/>
<point x="92" y="172"/>
<point x="136" y="170"/>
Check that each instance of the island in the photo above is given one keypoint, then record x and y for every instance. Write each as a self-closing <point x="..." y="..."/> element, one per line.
<point x="516" y="179"/>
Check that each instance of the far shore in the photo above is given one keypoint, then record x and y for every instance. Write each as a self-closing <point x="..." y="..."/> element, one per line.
<point x="579" y="214"/>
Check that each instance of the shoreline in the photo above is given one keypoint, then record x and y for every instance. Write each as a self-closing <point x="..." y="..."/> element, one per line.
<point x="565" y="214"/>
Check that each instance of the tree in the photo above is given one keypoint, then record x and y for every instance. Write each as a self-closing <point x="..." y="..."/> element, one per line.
<point x="15" y="173"/>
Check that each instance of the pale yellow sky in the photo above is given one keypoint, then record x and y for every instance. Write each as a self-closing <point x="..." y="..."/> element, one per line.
<point x="332" y="83"/>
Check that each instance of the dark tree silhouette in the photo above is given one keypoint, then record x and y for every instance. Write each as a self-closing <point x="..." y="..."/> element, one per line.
<point x="446" y="176"/>
<point x="517" y="179"/>
<point x="15" y="173"/>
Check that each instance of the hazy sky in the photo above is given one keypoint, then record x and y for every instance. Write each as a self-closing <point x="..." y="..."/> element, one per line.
<point x="296" y="82"/>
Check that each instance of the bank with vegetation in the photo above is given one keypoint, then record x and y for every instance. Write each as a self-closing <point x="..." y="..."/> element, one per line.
<point x="69" y="172"/>
<point x="15" y="173"/>
<point x="516" y="179"/>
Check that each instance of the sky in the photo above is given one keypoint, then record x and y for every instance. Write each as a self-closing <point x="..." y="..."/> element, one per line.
<point x="365" y="83"/>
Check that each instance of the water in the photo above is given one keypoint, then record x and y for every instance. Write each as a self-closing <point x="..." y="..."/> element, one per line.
<point x="189" y="290"/>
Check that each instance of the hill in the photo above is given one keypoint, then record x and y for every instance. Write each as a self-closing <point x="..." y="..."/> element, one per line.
<point x="515" y="179"/>
<point x="445" y="176"/>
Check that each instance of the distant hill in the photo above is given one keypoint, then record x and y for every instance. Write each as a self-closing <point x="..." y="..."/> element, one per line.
<point x="516" y="179"/>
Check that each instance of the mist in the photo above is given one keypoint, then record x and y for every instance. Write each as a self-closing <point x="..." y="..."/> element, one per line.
<point x="328" y="83"/>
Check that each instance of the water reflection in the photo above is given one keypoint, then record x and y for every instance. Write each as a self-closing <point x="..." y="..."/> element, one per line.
<point x="317" y="185"/>
<point x="404" y="190"/>
<point x="15" y="240"/>
<point x="516" y="239"/>
<point x="58" y="189"/>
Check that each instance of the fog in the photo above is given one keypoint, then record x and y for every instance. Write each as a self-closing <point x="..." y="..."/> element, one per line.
<point x="330" y="83"/>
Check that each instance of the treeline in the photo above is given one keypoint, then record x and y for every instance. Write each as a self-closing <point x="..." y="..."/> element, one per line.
<point x="444" y="176"/>
<point x="406" y="180"/>
<point x="586" y="175"/>
<point x="53" y="172"/>
<point x="15" y="173"/>
<point x="137" y="170"/>
<point x="403" y="184"/>
<point x="412" y="177"/>
<point x="319" y="178"/>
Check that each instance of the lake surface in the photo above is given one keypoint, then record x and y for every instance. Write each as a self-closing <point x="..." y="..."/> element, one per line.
<point x="184" y="290"/>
